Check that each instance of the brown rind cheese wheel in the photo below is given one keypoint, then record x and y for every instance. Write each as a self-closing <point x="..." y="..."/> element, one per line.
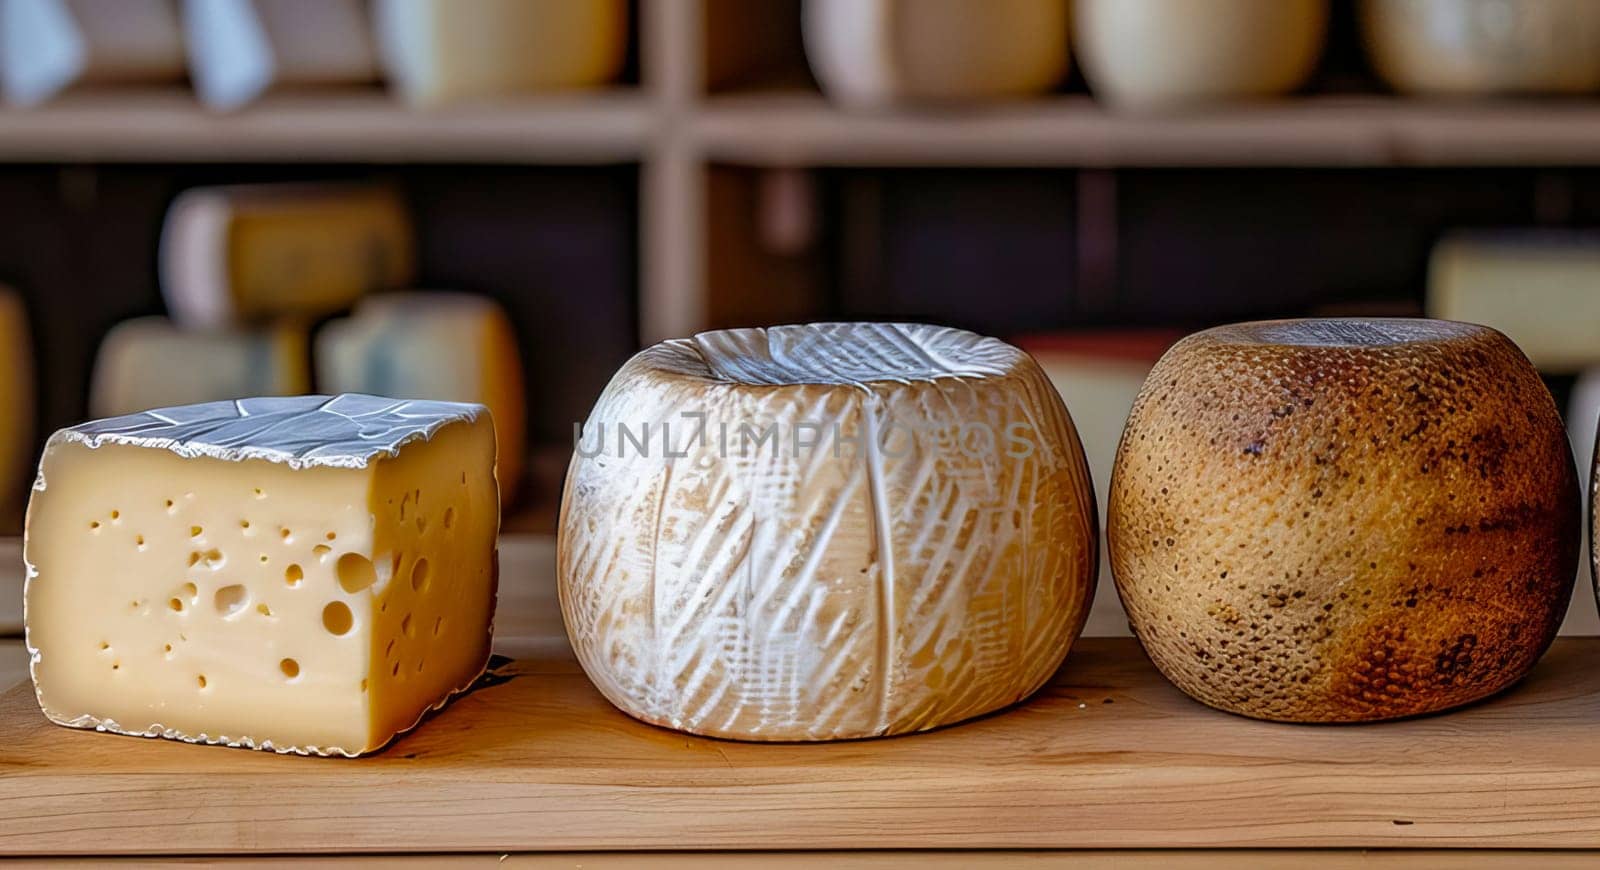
<point x="1344" y="520"/>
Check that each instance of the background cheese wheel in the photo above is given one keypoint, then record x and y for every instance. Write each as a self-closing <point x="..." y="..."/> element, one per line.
<point x="1169" y="53"/>
<point x="444" y="51"/>
<point x="240" y="49"/>
<point x="879" y="52"/>
<point x="1484" y="46"/>
<point x="877" y="529"/>
<point x="1344" y="520"/>
<point x="148" y="362"/>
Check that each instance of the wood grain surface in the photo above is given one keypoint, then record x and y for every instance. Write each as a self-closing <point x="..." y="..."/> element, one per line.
<point x="1108" y="756"/>
<point x="1216" y="859"/>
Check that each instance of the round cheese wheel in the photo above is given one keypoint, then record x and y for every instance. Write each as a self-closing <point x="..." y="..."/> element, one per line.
<point x="1151" y="54"/>
<point x="825" y="531"/>
<point x="1456" y="47"/>
<point x="1344" y="520"/>
<point x="880" y="52"/>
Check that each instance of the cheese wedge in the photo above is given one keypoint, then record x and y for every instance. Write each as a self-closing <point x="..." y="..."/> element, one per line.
<point x="1583" y="416"/>
<point x="150" y="363"/>
<point x="448" y="346"/>
<point x="444" y="51"/>
<point x="825" y="531"/>
<point x="306" y="575"/>
<point x="47" y="46"/>
<point x="240" y="49"/>
<point x="1466" y="47"/>
<point x="246" y="254"/>
<point x="1536" y="286"/>
<point x="1164" y="54"/>
<point x="881" y="52"/>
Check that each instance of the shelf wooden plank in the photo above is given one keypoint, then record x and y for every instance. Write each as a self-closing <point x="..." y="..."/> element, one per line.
<point x="13" y="662"/>
<point x="364" y="126"/>
<point x="1107" y="756"/>
<point x="799" y="129"/>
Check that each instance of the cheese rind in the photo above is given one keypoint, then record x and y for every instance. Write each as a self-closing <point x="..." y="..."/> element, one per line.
<point x="148" y="362"/>
<point x="306" y="575"/>
<point x="910" y="544"/>
<point x="446" y="346"/>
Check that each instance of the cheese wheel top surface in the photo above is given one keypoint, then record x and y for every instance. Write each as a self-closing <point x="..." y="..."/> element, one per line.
<point x="848" y="354"/>
<point x="344" y="431"/>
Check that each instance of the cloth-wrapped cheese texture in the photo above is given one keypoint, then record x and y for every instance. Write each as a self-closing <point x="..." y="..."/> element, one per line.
<point x="307" y="574"/>
<point x="1344" y="520"/>
<point x="825" y="531"/>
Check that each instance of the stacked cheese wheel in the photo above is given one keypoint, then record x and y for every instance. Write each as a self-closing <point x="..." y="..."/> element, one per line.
<point x="825" y="531"/>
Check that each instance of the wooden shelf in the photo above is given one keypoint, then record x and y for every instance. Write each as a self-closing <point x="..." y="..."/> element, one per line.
<point x="1107" y="756"/>
<point x="801" y="129"/>
<point x="359" y="126"/>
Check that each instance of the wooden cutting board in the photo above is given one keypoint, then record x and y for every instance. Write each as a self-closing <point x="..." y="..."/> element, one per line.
<point x="1109" y="755"/>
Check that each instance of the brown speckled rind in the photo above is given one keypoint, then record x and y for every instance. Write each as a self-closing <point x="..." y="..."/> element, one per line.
<point x="1344" y="521"/>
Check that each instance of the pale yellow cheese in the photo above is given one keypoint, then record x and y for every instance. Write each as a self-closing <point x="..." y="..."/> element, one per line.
<point x="1536" y="286"/>
<point x="1158" y="54"/>
<point x="442" y="51"/>
<point x="304" y="575"/>
<point x="150" y="363"/>
<point x="454" y="347"/>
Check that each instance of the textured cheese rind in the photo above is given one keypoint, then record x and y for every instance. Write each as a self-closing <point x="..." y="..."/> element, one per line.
<point x="1344" y="520"/>
<point x="349" y="430"/>
<point x="751" y="593"/>
<point x="357" y="432"/>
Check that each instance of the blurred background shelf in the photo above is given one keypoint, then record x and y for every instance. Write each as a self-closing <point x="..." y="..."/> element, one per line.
<point x="1073" y="130"/>
<point x="169" y="126"/>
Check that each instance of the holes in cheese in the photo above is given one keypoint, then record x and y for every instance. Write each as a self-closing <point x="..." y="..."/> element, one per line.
<point x="329" y="465"/>
<point x="844" y="563"/>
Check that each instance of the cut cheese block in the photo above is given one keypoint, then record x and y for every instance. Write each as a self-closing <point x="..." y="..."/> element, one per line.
<point x="150" y="363"/>
<point x="244" y="254"/>
<point x="16" y="392"/>
<point x="448" y="346"/>
<point x="1344" y="520"/>
<point x="47" y="46"/>
<point x="443" y="51"/>
<point x="1536" y="286"/>
<point x="305" y="575"/>
<point x="880" y="52"/>
<point x="1155" y="54"/>
<point x="1098" y="375"/>
<point x="1463" y="47"/>
<point x="825" y="531"/>
<point x="240" y="49"/>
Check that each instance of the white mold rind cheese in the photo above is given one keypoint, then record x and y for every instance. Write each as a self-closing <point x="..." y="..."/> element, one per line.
<point x="831" y="531"/>
<point x="308" y="575"/>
